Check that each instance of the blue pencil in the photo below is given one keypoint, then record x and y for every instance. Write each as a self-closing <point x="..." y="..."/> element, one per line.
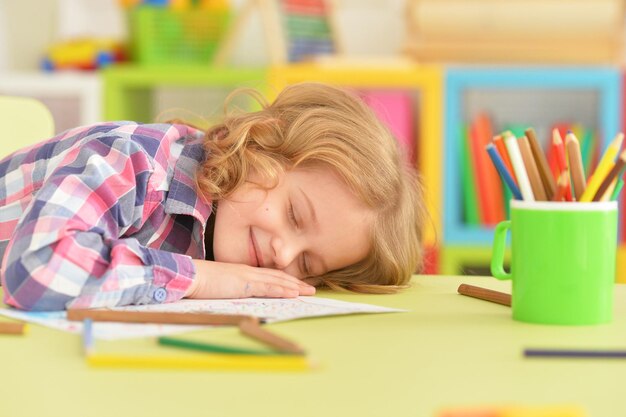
<point x="87" y="336"/>
<point x="504" y="173"/>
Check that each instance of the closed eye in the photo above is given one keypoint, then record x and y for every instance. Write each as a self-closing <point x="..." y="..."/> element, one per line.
<point x="292" y="216"/>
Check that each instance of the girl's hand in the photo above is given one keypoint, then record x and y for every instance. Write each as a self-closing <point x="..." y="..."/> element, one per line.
<point x="225" y="280"/>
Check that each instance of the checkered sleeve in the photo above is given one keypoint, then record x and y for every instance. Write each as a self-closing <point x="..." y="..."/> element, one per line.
<point x="69" y="248"/>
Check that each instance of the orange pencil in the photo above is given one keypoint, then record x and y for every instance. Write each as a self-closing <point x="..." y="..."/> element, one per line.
<point x="547" y="179"/>
<point x="501" y="147"/>
<point x="557" y="144"/>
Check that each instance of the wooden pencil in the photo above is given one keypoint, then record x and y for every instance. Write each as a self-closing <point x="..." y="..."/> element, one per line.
<point x="504" y="155"/>
<point x="577" y="172"/>
<point x="559" y="149"/>
<point x="518" y="166"/>
<point x="156" y="317"/>
<point x="603" y="168"/>
<point x="532" y="170"/>
<point x="252" y="329"/>
<point x="485" y="294"/>
<point x="7" y="327"/>
<point x="562" y="185"/>
<point x="549" y="184"/>
<point x="611" y="177"/>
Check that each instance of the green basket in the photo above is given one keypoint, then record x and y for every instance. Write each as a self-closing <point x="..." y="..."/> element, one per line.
<point x="164" y="36"/>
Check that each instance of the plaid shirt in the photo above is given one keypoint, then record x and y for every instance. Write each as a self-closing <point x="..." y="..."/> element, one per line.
<point x="102" y="216"/>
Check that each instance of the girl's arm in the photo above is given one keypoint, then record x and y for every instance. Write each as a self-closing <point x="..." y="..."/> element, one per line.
<point x="68" y="249"/>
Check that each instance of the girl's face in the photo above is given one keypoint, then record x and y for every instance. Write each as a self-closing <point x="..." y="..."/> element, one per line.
<point x="307" y="225"/>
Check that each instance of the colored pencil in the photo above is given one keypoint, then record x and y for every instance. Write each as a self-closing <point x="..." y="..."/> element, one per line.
<point x="501" y="147"/>
<point x="531" y="169"/>
<point x="618" y="188"/>
<point x="559" y="150"/>
<point x="603" y="168"/>
<point x="549" y="184"/>
<point x="7" y="327"/>
<point x="214" y="361"/>
<point x="87" y="336"/>
<point x="577" y="171"/>
<point x="485" y="294"/>
<point x="503" y="171"/>
<point x="518" y="166"/>
<point x="575" y="353"/>
<point x="562" y="186"/>
<point x="211" y="347"/>
<point x="611" y="177"/>
<point x="253" y="329"/>
<point x="156" y="317"/>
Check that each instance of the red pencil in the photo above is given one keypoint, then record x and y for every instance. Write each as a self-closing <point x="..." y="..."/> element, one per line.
<point x="559" y="149"/>
<point x="562" y="185"/>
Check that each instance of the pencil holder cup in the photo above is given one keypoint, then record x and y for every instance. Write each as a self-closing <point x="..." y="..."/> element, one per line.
<point x="562" y="261"/>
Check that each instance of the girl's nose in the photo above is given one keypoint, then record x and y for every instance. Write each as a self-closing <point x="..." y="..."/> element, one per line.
<point x="284" y="251"/>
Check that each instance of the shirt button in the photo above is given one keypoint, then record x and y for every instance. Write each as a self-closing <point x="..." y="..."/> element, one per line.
<point x="160" y="294"/>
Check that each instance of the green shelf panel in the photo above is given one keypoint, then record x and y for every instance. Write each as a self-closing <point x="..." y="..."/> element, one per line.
<point x="467" y="260"/>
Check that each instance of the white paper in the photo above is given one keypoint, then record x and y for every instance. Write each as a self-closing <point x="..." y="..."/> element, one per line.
<point x="270" y="310"/>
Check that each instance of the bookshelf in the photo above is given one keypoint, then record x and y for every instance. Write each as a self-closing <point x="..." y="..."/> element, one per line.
<point x="131" y="91"/>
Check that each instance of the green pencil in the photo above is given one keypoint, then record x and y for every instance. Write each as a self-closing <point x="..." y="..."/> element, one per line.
<point x="618" y="188"/>
<point x="210" y="347"/>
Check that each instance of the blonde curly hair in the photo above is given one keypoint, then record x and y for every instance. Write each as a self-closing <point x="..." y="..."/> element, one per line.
<point x="312" y="124"/>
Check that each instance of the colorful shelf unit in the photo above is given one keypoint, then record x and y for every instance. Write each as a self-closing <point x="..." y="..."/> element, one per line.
<point x="620" y="270"/>
<point x="129" y="92"/>
<point x="389" y="85"/>
<point x="467" y="260"/>
<point x="529" y="96"/>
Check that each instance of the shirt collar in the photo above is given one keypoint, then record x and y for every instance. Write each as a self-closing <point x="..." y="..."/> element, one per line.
<point x="182" y="197"/>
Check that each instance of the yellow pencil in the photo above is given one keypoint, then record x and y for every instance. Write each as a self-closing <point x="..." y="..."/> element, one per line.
<point x="605" y="165"/>
<point x="214" y="361"/>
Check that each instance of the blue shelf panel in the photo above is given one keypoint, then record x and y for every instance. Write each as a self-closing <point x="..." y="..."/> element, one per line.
<point x="603" y="80"/>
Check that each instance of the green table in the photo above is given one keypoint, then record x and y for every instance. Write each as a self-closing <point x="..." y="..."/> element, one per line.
<point x="447" y="350"/>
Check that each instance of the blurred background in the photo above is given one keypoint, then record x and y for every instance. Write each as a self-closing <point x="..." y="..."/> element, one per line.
<point x="444" y="75"/>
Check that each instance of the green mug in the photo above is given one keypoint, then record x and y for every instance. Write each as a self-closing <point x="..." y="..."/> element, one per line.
<point x="562" y="261"/>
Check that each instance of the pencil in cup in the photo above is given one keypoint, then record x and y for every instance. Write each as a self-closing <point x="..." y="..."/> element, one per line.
<point x="612" y="177"/>
<point x="549" y="183"/>
<point x="562" y="185"/>
<point x="603" y="168"/>
<point x="618" y="188"/>
<point x="518" y="166"/>
<point x="575" y="162"/>
<point x="561" y="161"/>
<point x="503" y="171"/>
<point x="531" y="169"/>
